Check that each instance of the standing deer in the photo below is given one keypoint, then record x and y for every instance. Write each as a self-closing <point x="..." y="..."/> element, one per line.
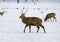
<point x="31" y="21"/>
<point x="50" y="16"/>
<point x="1" y="13"/>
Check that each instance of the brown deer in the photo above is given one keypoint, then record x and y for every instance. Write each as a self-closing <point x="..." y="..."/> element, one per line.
<point x="50" y="16"/>
<point x="31" y="21"/>
<point x="1" y="13"/>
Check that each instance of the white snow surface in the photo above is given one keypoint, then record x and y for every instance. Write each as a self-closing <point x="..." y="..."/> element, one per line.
<point x="11" y="26"/>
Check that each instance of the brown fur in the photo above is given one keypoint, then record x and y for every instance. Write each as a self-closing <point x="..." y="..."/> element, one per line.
<point x="32" y="21"/>
<point x="49" y="16"/>
<point x="1" y="13"/>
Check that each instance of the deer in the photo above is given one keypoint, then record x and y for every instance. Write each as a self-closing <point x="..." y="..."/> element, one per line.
<point x="1" y="13"/>
<point x="31" y="21"/>
<point x="50" y="16"/>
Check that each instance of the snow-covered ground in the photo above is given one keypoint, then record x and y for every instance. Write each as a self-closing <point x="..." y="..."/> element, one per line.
<point x="11" y="27"/>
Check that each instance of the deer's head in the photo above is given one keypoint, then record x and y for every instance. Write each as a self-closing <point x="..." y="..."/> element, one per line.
<point x="23" y="13"/>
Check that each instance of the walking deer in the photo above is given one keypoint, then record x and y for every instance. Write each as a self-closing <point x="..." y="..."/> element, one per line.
<point x="1" y="13"/>
<point x="31" y="21"/>
<point x="50" y="16"/>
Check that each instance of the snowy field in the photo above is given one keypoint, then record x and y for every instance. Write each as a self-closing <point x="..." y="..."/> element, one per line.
<point x="11" y="27"/>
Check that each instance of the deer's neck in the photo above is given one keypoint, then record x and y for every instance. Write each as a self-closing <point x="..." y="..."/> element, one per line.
<point x="23" y="19"/>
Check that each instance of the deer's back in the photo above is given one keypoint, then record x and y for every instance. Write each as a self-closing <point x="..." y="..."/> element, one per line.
<point x="51" y="15"/>
<point x="32" y="20"/>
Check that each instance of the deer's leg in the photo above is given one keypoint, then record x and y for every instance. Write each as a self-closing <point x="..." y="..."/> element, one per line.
<point x="43" y="28"/>
<point x="48" y="20"/>
<point x="25" y="28"/>
<point x="38" y="29"/>
<point x="30" y="28"/>
<point x="51" y="19"/>
<point x="55" y="19"/>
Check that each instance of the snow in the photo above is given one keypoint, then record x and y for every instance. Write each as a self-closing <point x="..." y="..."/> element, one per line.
<point x="11" y="27"/>
<point x="28" y="37"/>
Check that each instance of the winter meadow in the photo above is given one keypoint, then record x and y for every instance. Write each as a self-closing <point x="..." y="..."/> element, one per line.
<point x="12" y="27"/>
